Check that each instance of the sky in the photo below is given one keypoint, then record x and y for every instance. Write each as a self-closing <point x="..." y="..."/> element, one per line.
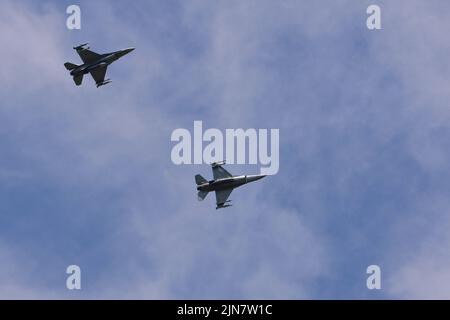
<point x="86" y="176"/>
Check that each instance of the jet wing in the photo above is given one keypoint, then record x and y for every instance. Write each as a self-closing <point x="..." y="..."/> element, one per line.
<point x="99" y="74"/>
<point x="219" y="172"/>
<point x="88" y="56"/>
<point x="222" y="196"/>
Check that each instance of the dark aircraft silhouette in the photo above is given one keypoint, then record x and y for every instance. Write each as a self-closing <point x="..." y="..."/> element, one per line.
<point x="93" y="63"/>
<point x="223" y="184"/>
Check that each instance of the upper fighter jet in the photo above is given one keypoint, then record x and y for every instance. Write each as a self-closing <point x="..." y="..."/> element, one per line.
<point x="223" y="184"/>
<point x="93" y="63"/>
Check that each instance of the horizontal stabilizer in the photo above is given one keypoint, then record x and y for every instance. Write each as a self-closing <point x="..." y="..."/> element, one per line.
<point x="78" y="79"/>
<point x="70" y="66"/>
<point x="200" y="180"/>
<point x="202" y="195"/>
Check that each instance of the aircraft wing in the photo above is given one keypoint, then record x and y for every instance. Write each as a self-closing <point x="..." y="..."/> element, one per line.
<point x="99" y="74"/>
<point x="222" y="196"/>
<point x="219" y="172"/>
<point x="88" y="56"/>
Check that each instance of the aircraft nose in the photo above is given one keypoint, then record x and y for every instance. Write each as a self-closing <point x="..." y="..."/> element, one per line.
<point x="123" y="52"/>
<point x="255" y="177"/>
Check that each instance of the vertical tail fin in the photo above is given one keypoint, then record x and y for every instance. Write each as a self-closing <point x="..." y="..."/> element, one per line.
<point x="200" y="180"/>
<point x="70" y="66"/>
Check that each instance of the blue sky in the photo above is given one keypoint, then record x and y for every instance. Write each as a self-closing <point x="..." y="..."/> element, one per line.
<point x="86" y="176"/>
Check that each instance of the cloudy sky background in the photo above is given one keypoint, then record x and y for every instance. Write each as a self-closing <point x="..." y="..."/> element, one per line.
<point x="86" y="176"/>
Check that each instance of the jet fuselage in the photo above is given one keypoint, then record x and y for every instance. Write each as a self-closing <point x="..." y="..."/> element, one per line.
<point x="105" y="60"/>
<point x="227" y="183"/>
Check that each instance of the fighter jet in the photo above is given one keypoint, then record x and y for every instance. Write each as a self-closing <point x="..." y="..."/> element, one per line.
<point x="223" y="184"/>
<point x="93" y="63"/>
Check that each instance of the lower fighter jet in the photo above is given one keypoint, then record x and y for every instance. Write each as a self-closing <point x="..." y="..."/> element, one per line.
<point x="223" y="184"/>
<point x="93" y="63"/>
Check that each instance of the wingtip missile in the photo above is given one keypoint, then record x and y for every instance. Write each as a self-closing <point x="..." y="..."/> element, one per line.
<point x="218" y="163"/>
<point x="104" y="82"/>
<point x="224" y="205"/>
<point x="81" y="47"/>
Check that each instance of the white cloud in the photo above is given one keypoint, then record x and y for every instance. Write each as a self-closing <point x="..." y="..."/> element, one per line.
<point x="420" y="256"/>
